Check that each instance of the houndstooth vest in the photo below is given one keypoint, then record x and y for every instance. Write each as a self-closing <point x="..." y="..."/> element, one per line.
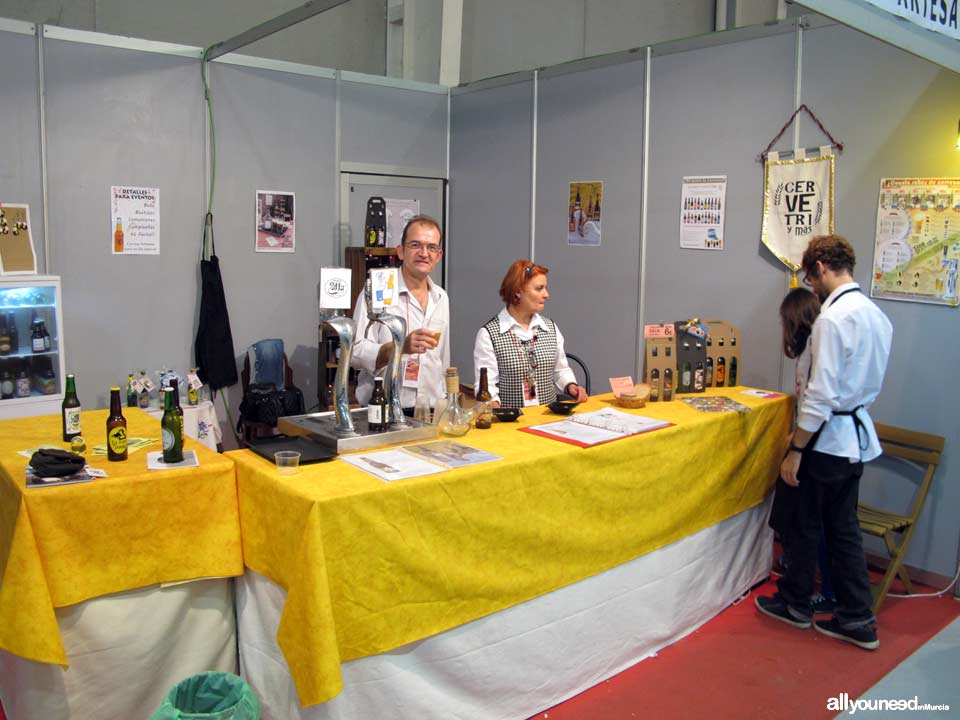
<point x="512" y="364"/>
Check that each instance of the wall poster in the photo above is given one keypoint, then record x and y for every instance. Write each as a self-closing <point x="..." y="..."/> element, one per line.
<point x="583" y="213"/>
<point x="17" y="256"/>
<point x="134" y="220"/>
<point x="797" y="203"/>
<point x="399" y="213"/>
<point x="917" y="249"/>
<point x="703" y="202"/>
<point x="275" y="222"/>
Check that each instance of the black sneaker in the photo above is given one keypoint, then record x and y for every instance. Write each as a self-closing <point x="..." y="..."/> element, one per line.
<point x="775" y="607"/>
<point x="822" y="604"/>
<point x="864" y="637"/>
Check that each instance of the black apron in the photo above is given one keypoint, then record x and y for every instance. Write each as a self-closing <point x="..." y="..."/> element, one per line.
<point x="216" y="364"/>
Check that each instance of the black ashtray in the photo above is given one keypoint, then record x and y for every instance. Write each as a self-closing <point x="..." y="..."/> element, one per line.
<point x="562" y="407"/>
<point x="506" y="414"/>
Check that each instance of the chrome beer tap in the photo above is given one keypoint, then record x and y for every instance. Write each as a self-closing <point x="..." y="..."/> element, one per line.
<point x="345" y="328"/>
<point x="393" y="379"/>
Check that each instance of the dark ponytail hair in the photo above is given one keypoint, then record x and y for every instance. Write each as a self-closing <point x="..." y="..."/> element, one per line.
<point x="798" y="311"/>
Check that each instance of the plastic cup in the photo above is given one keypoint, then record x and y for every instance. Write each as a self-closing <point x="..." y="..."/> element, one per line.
<point x="288" y="461"/>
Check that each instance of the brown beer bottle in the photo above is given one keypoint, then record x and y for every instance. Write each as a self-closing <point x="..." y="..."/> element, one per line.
<point x="118" y="238"/>
<point x="116" y="428"/>
<point x="484" y="414"/>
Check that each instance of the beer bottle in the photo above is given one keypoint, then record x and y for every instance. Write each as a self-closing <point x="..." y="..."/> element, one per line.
<point x="24" y="386"/>
<point x="721" y="371"/>
<point x="733" y="371"/>
<point x="175" y="386"/>
<point x="36" y="337"/>
<point x="116" y="428"/>
<point x="193" y="397"/>
<point x="377" y="410"/>
<point x="708" y="377"/>
<point x="70" y="411"/>
<point x="483" y="397"/>
<point x="6" y="383"/>
<point x="668" y="384"/>
<point x="118" y="238"/>
<point x="143" y="400"/>
<point x="654" y="385"/>
<point x="131" y="392"/>
<point x="5" y="346"/>
<point x="170" y="430"/>
<point x="685" y="379"/>
<point x="46" y="336"/>
<point x="14" y="336"/>
<point x="698" y="377"/>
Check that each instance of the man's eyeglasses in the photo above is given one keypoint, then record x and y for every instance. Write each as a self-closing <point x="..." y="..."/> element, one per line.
<point x="417" y="246"/>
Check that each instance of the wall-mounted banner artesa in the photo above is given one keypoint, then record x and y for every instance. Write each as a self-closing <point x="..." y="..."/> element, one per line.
<point x="797" y="205"/>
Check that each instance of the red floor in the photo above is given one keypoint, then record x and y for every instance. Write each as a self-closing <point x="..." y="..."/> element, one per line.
<point x="743" y="664"/>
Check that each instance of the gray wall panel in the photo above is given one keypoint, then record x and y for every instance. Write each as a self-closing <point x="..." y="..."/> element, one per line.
<point x="712" y="112"/>
<point x="393" y="126"/>
<point x="276" y="133"/>
<point x="121" y="117"/>
<point x="888" y="108"/>
<point x="20" y="131"/>
<point x="591" y="128"/>
<point x="489" y="206"/>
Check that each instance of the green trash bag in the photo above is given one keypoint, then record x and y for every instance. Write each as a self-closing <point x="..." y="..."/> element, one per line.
<point x="210" y="695"/>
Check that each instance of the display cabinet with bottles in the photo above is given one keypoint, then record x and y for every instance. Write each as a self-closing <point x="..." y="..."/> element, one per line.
<point x="31" y="346"/>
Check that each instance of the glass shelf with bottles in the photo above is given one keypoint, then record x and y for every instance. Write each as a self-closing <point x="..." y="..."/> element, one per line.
<point x="30" y="366"/>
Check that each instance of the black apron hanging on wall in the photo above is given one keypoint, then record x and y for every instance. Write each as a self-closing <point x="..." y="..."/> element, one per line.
<point x="216" y="364"/>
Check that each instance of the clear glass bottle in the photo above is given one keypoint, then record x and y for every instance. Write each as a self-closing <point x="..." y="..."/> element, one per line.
<point x="454" y="420"/>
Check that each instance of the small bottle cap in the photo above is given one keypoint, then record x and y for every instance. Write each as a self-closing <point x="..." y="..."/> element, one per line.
<point x="113" y="388"/>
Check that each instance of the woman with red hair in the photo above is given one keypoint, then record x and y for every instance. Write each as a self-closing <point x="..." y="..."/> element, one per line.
<point x="521" y="349"/>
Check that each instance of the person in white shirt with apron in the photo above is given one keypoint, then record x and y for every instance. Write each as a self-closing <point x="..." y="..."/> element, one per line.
<point x="850" y="346"/>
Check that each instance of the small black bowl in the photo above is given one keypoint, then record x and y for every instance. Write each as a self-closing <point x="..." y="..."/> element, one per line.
<point x="562" y="407"/>
<point x="506" y="414"/>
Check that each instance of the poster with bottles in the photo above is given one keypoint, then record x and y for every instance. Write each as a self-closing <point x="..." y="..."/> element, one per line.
<point x="703" y="201"/>
<point x="917" y="251"/>
<point x="276" y="230"/>
<point x="399" y="213"/>
<point x="17" y="256"/>
<point x="583" y="213"/>
<point x="134" y="220"/>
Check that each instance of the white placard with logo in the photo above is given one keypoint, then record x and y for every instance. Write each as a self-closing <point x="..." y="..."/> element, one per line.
<point x="334" y="288"/>
<point x="385" y="284"/>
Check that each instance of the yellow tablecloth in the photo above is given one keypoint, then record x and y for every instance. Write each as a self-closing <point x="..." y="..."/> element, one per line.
<point x="62" y="545"/>
<point x="369" y="566"/>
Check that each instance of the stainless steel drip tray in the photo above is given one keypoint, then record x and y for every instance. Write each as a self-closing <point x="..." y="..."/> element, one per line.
<point x="322" y="428"/>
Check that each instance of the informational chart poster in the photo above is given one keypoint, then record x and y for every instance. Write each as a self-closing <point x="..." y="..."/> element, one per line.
<point x="583" y="213"/>
<point x="399" y="213"/>
<point x="135" y="220"/>
<point x="276" y="230"/>
<point x="703" y="202"/>
<point x="917" y="250"/>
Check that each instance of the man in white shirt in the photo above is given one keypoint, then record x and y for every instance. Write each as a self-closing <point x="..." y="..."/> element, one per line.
<point x="425" y="307"/>
<point x="835" y="436"/>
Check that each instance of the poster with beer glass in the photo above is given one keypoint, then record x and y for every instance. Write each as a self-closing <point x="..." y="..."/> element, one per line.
<point x="275" y="221"/>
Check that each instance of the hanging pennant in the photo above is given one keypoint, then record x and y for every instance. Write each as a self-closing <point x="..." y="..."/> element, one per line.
<point x="797" y="203"/>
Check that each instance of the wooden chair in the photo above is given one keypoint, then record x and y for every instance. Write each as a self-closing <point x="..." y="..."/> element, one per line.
<point x="913" y="447"/>
<point x="253" y="430"/>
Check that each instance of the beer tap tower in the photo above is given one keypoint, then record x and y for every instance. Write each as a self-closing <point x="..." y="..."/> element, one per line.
<point x="344" y="429"/>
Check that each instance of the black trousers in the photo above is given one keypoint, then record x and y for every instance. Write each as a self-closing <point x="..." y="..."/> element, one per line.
<point x="828" y="491"/>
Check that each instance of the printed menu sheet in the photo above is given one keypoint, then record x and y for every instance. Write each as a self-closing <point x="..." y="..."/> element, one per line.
<point x="417" y="460"/>
<point x="600" y="426"/>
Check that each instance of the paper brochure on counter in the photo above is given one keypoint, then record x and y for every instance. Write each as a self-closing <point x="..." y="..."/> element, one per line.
<point x="597" y="427"/>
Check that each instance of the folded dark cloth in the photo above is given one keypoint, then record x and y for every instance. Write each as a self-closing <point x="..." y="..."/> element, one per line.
<point x="50" y="462"/>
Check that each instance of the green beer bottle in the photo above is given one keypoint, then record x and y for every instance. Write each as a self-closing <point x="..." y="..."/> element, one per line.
<point x="170" y="430"/>
<point x="70" y="411"/>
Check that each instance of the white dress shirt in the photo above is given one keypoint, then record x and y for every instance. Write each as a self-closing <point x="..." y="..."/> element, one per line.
<point x="850" y="345"/>
<point x="485" y="357"/>
<point x="433" y="363"/>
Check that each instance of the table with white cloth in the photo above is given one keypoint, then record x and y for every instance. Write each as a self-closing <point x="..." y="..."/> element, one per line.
<point x="96" y="617"/>
<point x="499" y="589"/>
